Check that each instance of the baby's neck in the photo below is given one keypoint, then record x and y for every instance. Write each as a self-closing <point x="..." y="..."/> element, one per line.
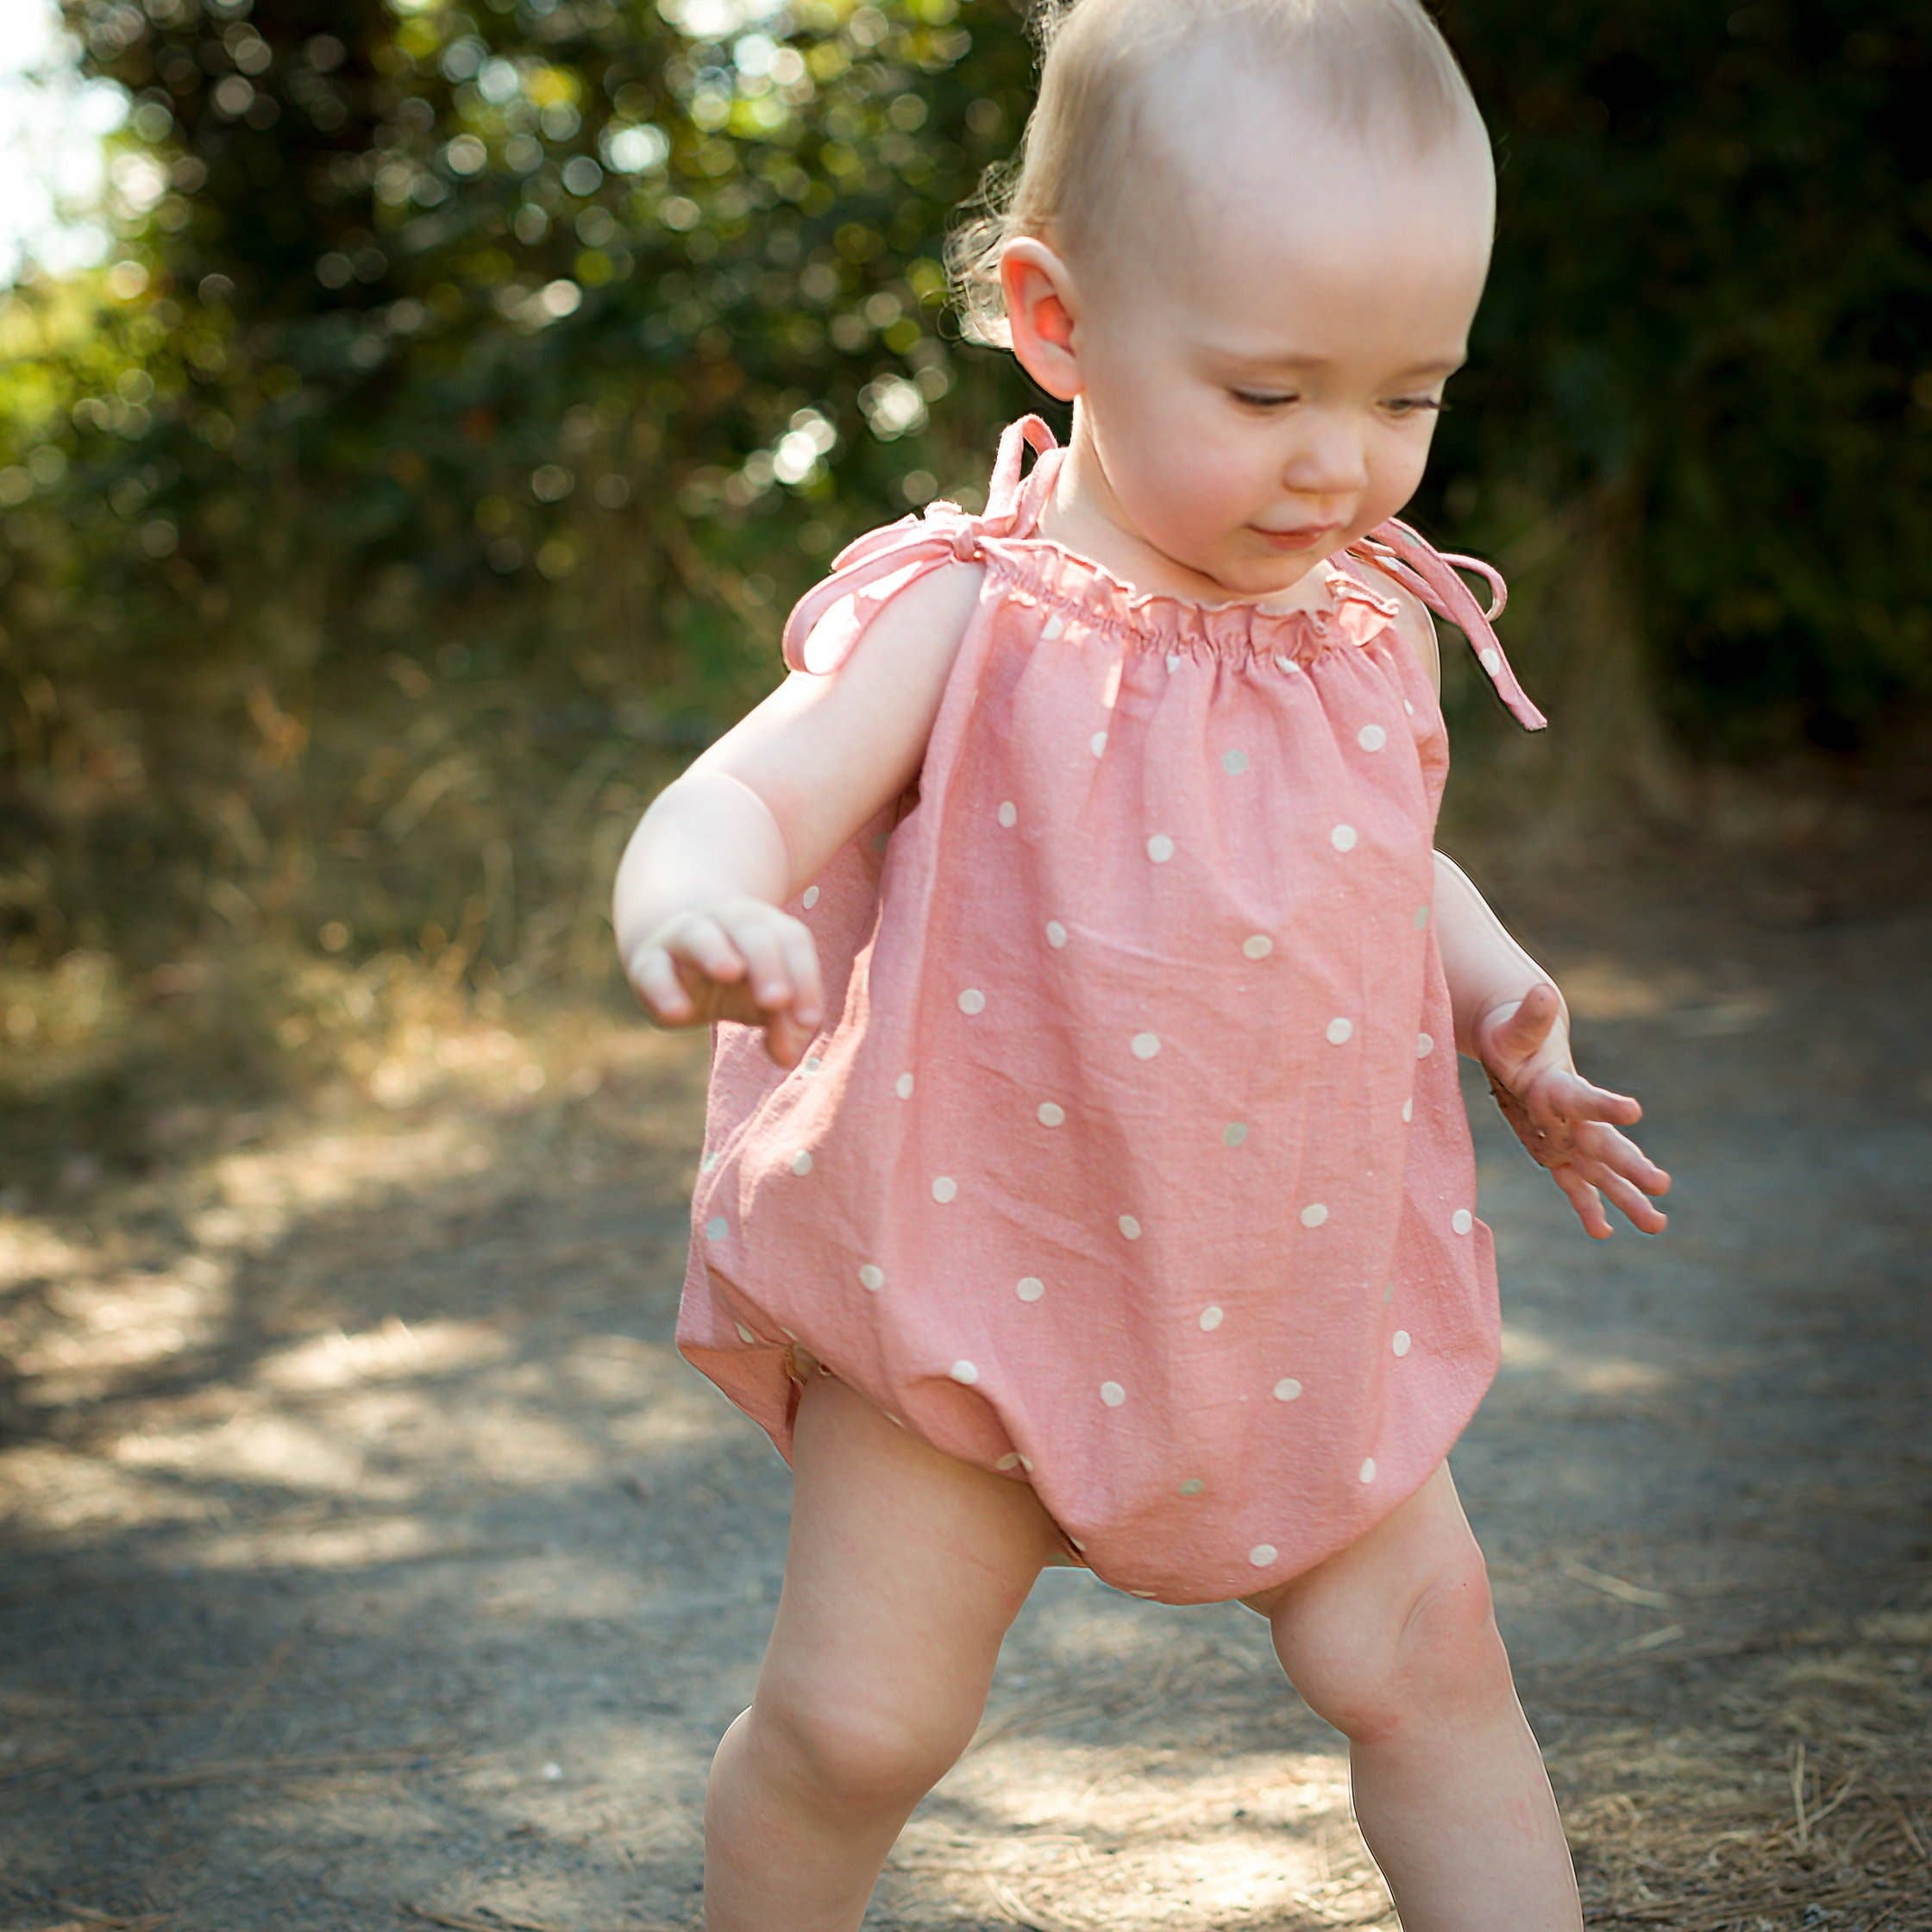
<point x="1081" y="515"/>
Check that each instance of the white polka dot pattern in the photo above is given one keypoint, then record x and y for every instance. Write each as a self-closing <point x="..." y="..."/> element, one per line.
<point x="1187" y="989"/>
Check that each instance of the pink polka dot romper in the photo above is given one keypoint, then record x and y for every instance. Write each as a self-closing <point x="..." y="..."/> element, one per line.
<point x="1132" y="1161"/>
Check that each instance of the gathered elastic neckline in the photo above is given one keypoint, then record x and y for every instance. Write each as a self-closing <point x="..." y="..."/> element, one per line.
<point x="1354" y="614"/>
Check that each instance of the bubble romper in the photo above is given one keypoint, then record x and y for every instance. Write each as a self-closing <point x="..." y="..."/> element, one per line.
<point x="1131" y="1161"/>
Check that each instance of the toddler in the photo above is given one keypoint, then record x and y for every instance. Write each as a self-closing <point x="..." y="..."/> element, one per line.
<point x="1086" y="1178"/>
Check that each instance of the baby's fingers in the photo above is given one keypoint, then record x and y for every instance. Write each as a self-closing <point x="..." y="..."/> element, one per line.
<point x="1618" y="1153"/>
<point x="657" y="985"/>
<point x="764" y="952"/>
<point x="1637" y="1210"/>
<point x="698" y="937"/>
<point x="1566" y="1095"/>
<point x="801" y="962"/>
<point x="1584" y="1199"/>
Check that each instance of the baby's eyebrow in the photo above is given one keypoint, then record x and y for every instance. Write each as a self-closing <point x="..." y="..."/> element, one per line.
<point x="1292" y="359"/>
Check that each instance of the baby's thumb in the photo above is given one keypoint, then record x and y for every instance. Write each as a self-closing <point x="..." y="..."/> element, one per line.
<point x="1516" y="1032"/>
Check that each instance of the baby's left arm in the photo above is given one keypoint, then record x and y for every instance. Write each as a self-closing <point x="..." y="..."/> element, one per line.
<point x="1511" y="1016"/>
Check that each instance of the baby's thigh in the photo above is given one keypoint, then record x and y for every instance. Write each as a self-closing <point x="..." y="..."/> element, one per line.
<point x="904" y="1568"/>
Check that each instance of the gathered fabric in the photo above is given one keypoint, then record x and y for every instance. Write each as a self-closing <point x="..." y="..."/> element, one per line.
<point x="1131" y="1161"/>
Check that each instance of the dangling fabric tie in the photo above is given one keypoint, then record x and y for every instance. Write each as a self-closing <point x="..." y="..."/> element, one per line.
<point x="1406" y="555"/>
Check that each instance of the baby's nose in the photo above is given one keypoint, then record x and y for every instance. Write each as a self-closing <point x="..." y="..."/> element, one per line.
<point x="1329" y="465"/>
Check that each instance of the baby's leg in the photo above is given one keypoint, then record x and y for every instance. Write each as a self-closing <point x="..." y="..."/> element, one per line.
<point x="1393" y="1641"/>
<point x="904" y="1568"/>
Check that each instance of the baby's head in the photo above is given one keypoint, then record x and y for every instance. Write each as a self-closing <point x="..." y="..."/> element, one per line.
<point x="1247" y="238"/>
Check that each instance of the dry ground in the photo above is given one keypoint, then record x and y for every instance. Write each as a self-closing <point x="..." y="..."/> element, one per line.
<point x="371" y="1560"/>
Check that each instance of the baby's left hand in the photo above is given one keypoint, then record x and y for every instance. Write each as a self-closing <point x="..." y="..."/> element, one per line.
<point x="1564" y="1121"/>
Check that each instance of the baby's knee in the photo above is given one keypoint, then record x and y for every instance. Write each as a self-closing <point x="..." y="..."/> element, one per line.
<point x="1442" y="1661"/>
<point x="856" y="1754"/>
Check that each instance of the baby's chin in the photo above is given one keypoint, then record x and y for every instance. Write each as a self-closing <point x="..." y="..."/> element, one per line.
<point x="1299" y="581"/>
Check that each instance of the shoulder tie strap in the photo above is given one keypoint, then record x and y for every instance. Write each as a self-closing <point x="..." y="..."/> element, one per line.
<point x="872" y="567"/>
<point x="1407" y="556"/>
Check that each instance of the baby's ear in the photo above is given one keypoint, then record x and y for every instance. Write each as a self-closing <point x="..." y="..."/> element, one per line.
<point x="1418" y="626"/>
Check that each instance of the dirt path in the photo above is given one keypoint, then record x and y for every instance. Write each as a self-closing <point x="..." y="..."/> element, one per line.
<point x="371" y="1560"/>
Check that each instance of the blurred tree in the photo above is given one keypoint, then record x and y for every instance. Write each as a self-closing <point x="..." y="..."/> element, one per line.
<point x="1706" y="338"/>
<point x="466" y="285"/>
<point x="645" y="302"/>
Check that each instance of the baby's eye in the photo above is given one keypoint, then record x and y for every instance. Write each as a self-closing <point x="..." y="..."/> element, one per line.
<point x="1409" y="405"/>
<point x="1259" y="402"/>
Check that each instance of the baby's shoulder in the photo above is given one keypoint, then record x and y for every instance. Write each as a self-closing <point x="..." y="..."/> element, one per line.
<point x="916" y="606"/>
<point x="1415" y="624"/>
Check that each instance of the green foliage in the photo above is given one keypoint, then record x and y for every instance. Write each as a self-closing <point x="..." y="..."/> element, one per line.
<point x="458" y="288"/>
<point x="555" y="315"/>
<point x="1710" y="305"/>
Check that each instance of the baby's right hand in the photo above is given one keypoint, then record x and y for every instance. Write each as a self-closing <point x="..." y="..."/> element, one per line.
<point x="735" y="957"/>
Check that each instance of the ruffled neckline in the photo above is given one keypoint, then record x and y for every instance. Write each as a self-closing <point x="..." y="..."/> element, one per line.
<point x="1354" y="614"/>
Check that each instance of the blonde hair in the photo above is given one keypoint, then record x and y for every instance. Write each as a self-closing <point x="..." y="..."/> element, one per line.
<point x="1359" y="60"/>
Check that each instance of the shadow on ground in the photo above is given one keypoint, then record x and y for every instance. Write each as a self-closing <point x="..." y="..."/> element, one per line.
<point x="371" y="1560"/>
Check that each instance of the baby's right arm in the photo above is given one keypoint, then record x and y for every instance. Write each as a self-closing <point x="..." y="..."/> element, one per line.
<point x="753" y="817"/>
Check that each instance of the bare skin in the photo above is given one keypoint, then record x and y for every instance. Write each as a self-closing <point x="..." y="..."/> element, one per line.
<point x="904" y="1572"/>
